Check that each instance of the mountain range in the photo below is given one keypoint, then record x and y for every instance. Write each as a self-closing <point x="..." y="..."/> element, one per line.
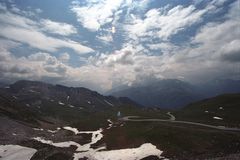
<point x="173" y="93"/>
<point x="46" y="117"/>
<point x="36" y="101"/>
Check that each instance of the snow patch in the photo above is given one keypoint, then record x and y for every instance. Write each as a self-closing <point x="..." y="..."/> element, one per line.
<point x="221" y="108"/>
<point x="110" y="124"/>
<point x="96" y="136"/>
<point x="85" y="150"/>
<point x="38" y="129"/>
<point x="109" y="120"/>
<point x="58" y="144"/>
<point x="143" y="151"/>
<point x="218" y="118"/>
<point x="54" y="131"/>
<point x="61" y="103"/>
<point x="74" y="130"/>
<point x="13" y="152"/>
<point x="71" y="106"/>
<point x="206" y="111"/>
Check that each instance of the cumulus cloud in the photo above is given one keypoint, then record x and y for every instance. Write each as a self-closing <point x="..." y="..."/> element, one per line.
<point x="44" y="66"/>
<point x="64" y="57"/>
<point x="224" y="38"/>
<point x="124" y="57"/>
<point x="120" y="67"/>
<point x="206" y="57"/>
<point x="211" y="51"/>
<point x="48" y="64"/>
<point x="128" y="66"/>
<point x="60" y="69"/>
<point x="35" y="66"/>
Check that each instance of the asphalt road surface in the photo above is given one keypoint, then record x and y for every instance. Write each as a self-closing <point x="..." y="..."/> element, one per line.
<point x="172" y="120"/>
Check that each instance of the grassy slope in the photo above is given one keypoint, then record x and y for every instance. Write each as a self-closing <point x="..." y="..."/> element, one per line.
<point x="181" y="140"/>
<point x="175" y="140"/>
<point x="230" y="112"/>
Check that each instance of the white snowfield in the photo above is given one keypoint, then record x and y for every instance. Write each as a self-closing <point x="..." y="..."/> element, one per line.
<point x="16" y="152"/>
<point x="143" y="151"/>
<point x="96" y="136"/>
<point x="85" y="150"/>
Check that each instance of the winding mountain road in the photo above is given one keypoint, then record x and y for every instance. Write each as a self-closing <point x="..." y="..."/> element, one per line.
<point x="172" y="120"/>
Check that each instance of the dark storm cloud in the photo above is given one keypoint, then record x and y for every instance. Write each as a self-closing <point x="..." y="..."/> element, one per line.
<point x="232" y="57"/>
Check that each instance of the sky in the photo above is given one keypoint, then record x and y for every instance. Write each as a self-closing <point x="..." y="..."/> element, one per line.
<point x="105" y="44"/>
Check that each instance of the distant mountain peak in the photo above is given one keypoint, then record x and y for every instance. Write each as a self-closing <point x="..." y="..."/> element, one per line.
<point x="174" y="93"/>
